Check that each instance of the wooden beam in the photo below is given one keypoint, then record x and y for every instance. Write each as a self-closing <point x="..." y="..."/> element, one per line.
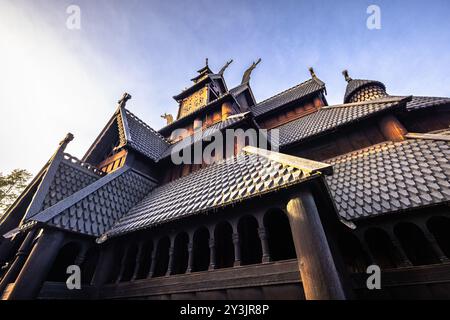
<point x="428" y="136"/>
<point x="306" y="165"/>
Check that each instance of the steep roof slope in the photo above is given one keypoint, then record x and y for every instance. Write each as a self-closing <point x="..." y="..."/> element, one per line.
<point x="295" y="93"/>
<point x="391" y="177"/>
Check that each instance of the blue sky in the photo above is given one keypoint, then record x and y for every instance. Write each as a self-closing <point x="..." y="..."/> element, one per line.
<point x="57" y="80"/>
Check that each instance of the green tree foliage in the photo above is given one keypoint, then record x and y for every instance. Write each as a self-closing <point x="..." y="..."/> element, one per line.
<point x="11" y="186"/>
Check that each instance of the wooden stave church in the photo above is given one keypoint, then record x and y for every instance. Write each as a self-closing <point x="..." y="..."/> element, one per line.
<point x="376" y="192"/>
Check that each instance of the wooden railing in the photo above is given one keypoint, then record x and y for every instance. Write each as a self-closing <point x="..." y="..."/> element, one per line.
<point x="275" y="280"/>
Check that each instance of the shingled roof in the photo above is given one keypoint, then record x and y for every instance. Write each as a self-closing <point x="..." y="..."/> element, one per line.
<point x="252" y="173"/>
<point x="391" y="177"/>
<point x="94" y="209"/>
<point x="69" y="176"/>
<point x="420" y="102"/>
<point x="357" y="84"/>
<point x="130" y="131"/>
<point x="290" y="95"/>
<point x="142" y="138"/>
<point x="332" y="117"/>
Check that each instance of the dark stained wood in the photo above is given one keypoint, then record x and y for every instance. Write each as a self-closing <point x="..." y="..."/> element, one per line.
<point x="229" y="280"/>
<point x="341" y="142"/>
<point x="38" y="264"/>
<point x="292" y="113"/>
<point x="426" y="120"/>
<point x="319" y="275"/>
<point x="19" y="260"/>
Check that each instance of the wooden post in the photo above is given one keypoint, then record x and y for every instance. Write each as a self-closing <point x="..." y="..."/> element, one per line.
<point x="237" y="250"/>
<point x="190" y="255"/>
<point x="37" y="266"/>
<point x="138" y="261"/>
<point x="401" y="258"/>
<point x="212" y="254"/>
<point x="6" y="246"/>
<point x="153" y="263"/>
<point x="318" y="103"/>
<point x="392" y="129"/>
<point x="226" y="110"/>
<point x="435" y="246"/>
<point x="264" y="245"/>
<point x="122" y="264"/>
<point x="171" y="259"/>
<point x="319" y="274"/>
<point x="105" y="265"/>
<point x="19" y="260"/>
<point x="81" y="257"/>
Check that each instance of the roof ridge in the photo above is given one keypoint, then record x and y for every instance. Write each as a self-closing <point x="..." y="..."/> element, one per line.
<point x="287" y="90"/>
<point x="47" y="178"/>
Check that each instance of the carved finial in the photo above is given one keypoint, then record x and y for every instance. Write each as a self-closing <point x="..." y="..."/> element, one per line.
<point x="64" y="142"/>
<point x="346" y="76"/>
<point x="123" y="101"/>
<point x="67" y="138"/>
<point x="225" y="66"/>
<point x="206" y="61"/>
<point x="248" y="72"/>
<point x="168" y="117"/>
<point x="311" y="71"/>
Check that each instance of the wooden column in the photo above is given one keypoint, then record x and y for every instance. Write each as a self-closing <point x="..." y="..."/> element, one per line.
<point x="190" y="255"/>
<point x="237" y="249"/>
<point x="212" y="254"/>
<point x="37" y="266"/>
<point x="435" y="246"/>
<point x="264" y="244"/>
<point x="79" y="259"/>
<point x="392" y="129"/>
<point x="153" y="263"/>
<point x="319" y="273"/>
<point x="402" y="259"/>
<point x="104" y="267"/>
<point x="318" y="103"/>
<point x="19" y="260"/>
<point x="171" y="252"/>
<point x="122" y="264"/>
<point x="6" y="246"/>
<point x="365" y="247"/>
<point x="227" y="110"/>
<point x="138" y="261"/>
